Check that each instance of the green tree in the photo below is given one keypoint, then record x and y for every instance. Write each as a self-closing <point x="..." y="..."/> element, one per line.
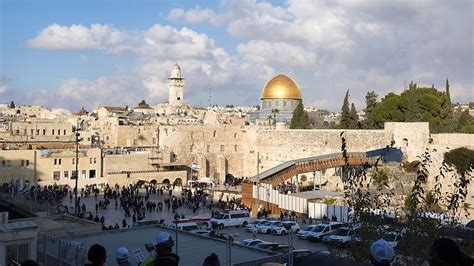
<point x="345" y="112"/>
<point x="380" y="177"/>
<point x="370" y="103"/>
<point x="275" y="112"/>
<point x="354" y="117"/>
<point x="300" y="119"/>
<point x="447" y="110"/>
<point x="465" y="122"/>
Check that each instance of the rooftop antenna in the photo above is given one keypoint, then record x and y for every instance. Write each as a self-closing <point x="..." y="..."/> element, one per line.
<point x="210" y="92"/>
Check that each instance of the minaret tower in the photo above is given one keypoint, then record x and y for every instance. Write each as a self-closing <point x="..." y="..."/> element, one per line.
<point x="176" y="86"/>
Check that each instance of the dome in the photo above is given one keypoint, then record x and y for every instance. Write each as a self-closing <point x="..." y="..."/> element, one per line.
<point x="176" y="72"/>
<point x="281" y="87"/>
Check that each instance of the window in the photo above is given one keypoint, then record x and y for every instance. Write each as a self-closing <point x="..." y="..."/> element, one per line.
<point x="95" y="160"/>
<point x="56" y="175"/>
<point x="52" y="132"/>
<point x="44" y="131"/>
<point x="17" y="252"/>
<point x="73" y="174"/>
<point x="59" y="161"/>
<point x="55" y="161"/>
<point x="66" y="175"/>
<point x="27" y="162"/>
<point x="59" y="132"/>
<point x="90" y="160"/>
<point x="4" y="163"/>
<point x="208" y="148"/>
<point x="84" y="174"/>
<point x="222" y="147"/>
<point x="91" y="173"/>
<point x="107" y="138"/>
<point x="73" y="160"/>
<point x="64" y="132"/>
<point x="37" y="132"/>
<point x="215" y="133"/>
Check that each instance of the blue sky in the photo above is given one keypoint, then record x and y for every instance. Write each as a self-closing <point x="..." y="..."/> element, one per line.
<point x="90" y="53"/>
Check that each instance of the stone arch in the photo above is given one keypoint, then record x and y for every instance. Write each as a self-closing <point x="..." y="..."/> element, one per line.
<point x="153" y="181"/>
<point x="166" y="181"/>
<point x="178" y="182"/>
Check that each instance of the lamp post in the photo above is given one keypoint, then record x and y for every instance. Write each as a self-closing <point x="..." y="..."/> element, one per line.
<point x="77" y="135"/>
<point x="258" y="182"/>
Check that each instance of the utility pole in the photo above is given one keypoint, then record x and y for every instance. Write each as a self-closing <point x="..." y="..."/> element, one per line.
<point x="258" y="181"/>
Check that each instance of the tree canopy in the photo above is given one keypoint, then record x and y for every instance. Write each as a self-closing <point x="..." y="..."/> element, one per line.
<point x="300" y="119"/>
<point x="415" y="104"/>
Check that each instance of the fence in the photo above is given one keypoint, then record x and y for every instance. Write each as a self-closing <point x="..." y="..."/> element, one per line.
<point x="54" y="251"/>
<point x="29" y="205"/>
<point x="315" y="210"/>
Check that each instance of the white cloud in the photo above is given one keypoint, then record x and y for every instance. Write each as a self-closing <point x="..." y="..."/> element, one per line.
<point x="196" y="15"/>
<point x="78" y="37"/>
<point x="327" y="46"/>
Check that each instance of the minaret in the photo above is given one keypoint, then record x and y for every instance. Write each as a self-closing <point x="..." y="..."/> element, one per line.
<point x="176" y="86"/>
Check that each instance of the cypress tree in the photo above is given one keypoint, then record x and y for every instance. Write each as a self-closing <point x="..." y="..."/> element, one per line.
<point x="354" y="118"/>
<point x="345" y="113"/>
<point x="300" y="119"/>
<point x="370" y="103"/>
<point x="447" y="111"/>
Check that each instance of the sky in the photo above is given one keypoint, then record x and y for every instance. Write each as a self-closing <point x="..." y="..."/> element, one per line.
<point x="68" y="54"/>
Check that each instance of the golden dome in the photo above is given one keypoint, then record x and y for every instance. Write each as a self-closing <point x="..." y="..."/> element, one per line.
<point x="281" y="87"/>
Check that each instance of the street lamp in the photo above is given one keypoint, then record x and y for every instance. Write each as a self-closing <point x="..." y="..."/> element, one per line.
<point x="78" y="139"/>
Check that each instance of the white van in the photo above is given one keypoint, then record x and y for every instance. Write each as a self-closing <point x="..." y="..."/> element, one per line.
<point x="231" y="218"/>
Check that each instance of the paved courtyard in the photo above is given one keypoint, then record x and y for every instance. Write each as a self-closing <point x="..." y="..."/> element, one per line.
<point x="113" y="216"/>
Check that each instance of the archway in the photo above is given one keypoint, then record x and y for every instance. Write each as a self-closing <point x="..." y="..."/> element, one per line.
<point x="166" y="181"/>
<point x="153" y="182"/>
<point x="178" y="182"/>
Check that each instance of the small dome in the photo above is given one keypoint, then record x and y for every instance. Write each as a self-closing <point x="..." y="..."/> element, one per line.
<point x="176" y="72"/>
<point x="281" y="87"/>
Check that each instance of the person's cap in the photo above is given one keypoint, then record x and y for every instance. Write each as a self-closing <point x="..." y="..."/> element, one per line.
<point x="163" y="239"/>
<point x="122" y="254"/>
<point x="381" y="250"/>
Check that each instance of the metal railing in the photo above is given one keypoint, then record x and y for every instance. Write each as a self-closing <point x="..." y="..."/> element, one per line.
<point x="54" y="251"/>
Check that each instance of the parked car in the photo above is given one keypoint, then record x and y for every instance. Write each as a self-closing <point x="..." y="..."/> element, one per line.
<point x="202" y="232"/>
<point x="267" y="245"/>
<point x="252" y="226"/>
<point x="266" y="227"/>
<point x="342" y="237"/>
<point x="188" y="226"/>
<point x="251" y="242"/>
<point x="231" y="218"/>
<point x="298" y="255"/>
<point x="303" y="233"/>
<point x="317" y="233"/>
<point x="281" y="229"/>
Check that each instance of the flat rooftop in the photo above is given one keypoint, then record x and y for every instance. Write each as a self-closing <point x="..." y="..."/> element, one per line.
<point x="192" y="248"/>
